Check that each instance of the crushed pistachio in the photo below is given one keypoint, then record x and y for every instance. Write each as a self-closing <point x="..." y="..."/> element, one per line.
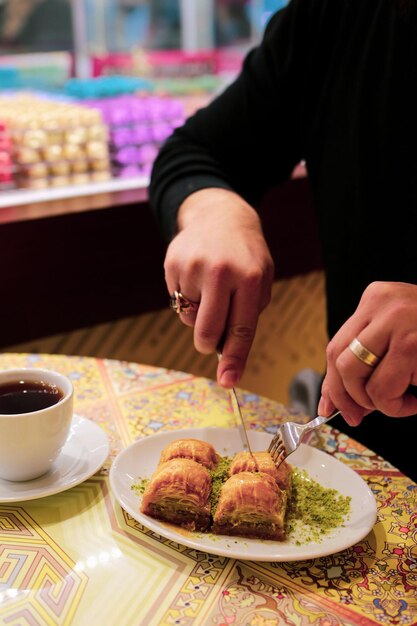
<point x="140" y="486"/>
<point x="218" y="475"/>
<point x="314" y="510"/>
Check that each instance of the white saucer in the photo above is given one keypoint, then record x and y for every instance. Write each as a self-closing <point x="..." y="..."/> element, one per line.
<point x="83" y="454"/>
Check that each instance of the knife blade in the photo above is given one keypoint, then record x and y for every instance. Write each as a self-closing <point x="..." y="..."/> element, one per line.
<point x="241" y="427"/>
<point x="238" y="414"/>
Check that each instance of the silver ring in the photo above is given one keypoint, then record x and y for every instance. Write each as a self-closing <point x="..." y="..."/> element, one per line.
<point x="363" y="354"/>
<point x="180" y="304"/>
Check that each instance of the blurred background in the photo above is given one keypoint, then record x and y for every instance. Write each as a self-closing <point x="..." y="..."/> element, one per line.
<point x="120" y="25"/>
<point x="89" y="89"/>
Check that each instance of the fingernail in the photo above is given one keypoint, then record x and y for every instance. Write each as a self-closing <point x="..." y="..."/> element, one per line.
<point x="229" y="378"/>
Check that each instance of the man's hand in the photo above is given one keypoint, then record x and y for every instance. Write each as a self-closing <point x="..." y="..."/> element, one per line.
<point x="385" y="322"/>
<point x="220" y="259"/>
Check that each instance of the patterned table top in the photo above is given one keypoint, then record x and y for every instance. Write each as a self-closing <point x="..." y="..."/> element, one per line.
<point x="77" y="558"/>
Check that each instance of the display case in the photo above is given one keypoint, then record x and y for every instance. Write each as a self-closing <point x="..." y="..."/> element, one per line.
<point x="82" y="247"/>
<point x="92" y="52"/>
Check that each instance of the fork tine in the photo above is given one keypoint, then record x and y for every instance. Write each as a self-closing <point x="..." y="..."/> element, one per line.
<point x="275" y="441"/>
<point x="277" y="449"/>
<point x="279" y="460"/>
<point x="278" y="457"/>
<point x="289" y="436"/>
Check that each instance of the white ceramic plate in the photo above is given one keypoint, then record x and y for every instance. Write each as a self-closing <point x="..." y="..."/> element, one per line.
<point x="83" y="454"/>
<point x="140" y="459"/>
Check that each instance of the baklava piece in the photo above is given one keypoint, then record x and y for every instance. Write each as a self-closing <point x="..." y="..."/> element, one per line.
<point x="194" y="449"/>
<point x="251" y="505"/>
<point x="262" y="462"/>
<point x="179" y="493"/>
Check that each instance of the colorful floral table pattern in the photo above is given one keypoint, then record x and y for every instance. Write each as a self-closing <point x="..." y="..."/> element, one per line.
<point x="78" y="558"/>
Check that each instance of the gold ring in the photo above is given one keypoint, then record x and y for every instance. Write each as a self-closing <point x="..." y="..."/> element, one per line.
<point x="181" y="304"/>
<point x="363" y="354"/>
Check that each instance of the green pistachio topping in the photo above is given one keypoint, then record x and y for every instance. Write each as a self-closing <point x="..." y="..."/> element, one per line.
<point x="140" y="486"/>
<point x="219" y="475"/>
<point x="314" y="510"/>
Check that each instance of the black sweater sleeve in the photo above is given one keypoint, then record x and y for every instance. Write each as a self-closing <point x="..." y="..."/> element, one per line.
<point x="249" y="138"/>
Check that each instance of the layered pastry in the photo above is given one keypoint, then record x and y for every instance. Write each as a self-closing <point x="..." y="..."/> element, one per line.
<point x="179" y="492"/>
<point x="251" y="505"/>
<point x="194" y="449"/>
<point x="262" y="462"/>
<point x="197" y="489"/>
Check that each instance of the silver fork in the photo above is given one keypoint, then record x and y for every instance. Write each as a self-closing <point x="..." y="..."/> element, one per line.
<point x="289" y="436"/>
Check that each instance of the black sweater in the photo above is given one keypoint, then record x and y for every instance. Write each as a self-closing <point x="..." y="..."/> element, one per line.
<point x="334" y="83"/>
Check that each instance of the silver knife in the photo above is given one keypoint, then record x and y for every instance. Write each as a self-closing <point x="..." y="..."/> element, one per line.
<point x="238" y="414"/>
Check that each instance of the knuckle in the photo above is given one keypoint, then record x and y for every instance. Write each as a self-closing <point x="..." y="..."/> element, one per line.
<point x="377" y="292"/>
<point x="170" y="265"/>
<point x="205" y="340"/>
<point x="398" y="310"/>
<point x="377" y="287"/>
<point x="220" y="273"/>
<point x="342" y="364"/>
<point x="242" y="332"/>
<point x="373" y="390"/>
<point x="254" y="279"/>
<point x="372" y="288"/>
<point x="331" y="352"/>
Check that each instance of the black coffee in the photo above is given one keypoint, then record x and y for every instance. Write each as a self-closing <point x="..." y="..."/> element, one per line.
<point x="26" y="396"/>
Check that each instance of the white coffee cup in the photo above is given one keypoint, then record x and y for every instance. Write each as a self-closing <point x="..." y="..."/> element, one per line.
<point x="32" y="438"/>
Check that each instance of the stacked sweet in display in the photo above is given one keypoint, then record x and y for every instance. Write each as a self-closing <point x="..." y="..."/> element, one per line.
<point x="106" y="86"/>
<point x="6" y="161"/>
<point x="55" y="143"/>
<point x="138" y="125"/>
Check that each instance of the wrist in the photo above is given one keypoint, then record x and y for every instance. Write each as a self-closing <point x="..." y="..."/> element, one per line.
<point x="218" y="202"/>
